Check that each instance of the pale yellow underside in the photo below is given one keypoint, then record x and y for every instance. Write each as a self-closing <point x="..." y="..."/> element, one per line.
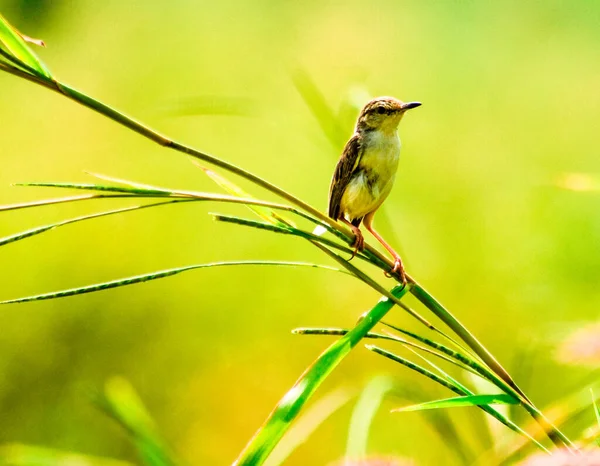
<point x="380" y="155"/>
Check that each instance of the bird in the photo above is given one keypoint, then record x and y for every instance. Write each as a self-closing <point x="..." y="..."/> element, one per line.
<point x="365" y="173"/>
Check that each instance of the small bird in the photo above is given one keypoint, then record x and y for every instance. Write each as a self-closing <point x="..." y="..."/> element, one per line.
<point x="366" y="171"/>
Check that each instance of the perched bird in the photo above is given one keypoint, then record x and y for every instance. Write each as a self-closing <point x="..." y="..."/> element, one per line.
<point x="365" y="173"/>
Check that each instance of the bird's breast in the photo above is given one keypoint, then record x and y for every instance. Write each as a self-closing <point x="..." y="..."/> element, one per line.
<point x="380" y="158"/>
<point x="373" y="177"/>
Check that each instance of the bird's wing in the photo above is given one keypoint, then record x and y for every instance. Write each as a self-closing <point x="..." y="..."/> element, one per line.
<point x="342" y="175"/>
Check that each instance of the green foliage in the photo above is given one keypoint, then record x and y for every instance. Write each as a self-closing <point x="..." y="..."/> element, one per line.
<point x="460" y="348"/>
<point x="462" y="401"/>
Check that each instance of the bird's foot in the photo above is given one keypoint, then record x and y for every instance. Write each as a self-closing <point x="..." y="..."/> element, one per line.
<point x="359" y="241"/>
<point x="398" y="270"/>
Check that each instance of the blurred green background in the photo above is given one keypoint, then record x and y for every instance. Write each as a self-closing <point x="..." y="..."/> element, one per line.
<point x="511" y="103"/>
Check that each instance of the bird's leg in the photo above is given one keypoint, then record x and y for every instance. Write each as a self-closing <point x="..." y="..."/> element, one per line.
<point x="359" y="240"/>
<point x="398" y="266"/>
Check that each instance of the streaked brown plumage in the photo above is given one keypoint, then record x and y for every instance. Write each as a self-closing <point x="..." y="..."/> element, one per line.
<point x="365" y="173"/>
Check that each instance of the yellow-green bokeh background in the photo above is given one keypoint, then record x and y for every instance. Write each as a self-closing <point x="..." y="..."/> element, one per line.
<point x="511" y="102"/>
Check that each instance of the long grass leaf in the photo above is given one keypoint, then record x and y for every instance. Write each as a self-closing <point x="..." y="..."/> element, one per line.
<point x="455" y="386"/>
<point x="36" y="231"/>
<point x="120" y="402"/>
<point x="14" y="43"/>
<point x="317" y="240"/>
<point x="155" y="276"/>
<point x="596" y="411"/>
<point x="306" y="424"/>
<point x="557" y="437"/>
<point x="288" y="408"/>
<point x="417" y="368"/>
<point x="60" y="200"/>
<point x="266" y="214"/>
<point x="462" y="401"/>
<point x="98" y="187"/>
<point x="389" y="337"/>
<point x="363" y="414"/>
<point x="283" y="230"/>
<point x="142" y="190"/>
<point x="565" y="410"/>
<point x="131" y="184"/>
<point x="315" y="101"/>
<point x="467" y="361"/>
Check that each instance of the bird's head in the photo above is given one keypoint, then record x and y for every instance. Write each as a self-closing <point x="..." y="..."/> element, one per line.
<point x="383" y="113"/>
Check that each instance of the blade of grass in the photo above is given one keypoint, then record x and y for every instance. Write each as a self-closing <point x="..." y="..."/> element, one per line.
<point x="121" y="403"/>
<point x="36" y="231"/>
<point x="134" y="189"/>
<point x="557" y="437"/>
<point x="562" y="411"/>
<point x="421" y="370"/>
<point x="308" y="422"/>
<point x="279" y="421"/>
<point x="315" y="101"/>
<point x="372" y="335"/>
<point x="60" y="200"/>
<point x="488" y="409"/>
<point x="97" y="187"/>
<point x="469" y="362"/>
<point x="155" y="276"/>
<point x="461" y="401"/>
<point x="596" y="412"/>
<point x="453" y="385"/>
<point x="264" y="213"/>
<point x="317" y="240"/>
<point x="14" y="43"/>
<point x="281" y="229"/>
<point x="362" y="416"/>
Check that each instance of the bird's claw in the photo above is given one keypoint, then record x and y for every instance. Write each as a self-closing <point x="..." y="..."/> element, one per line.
<point x="358" y="245"/>
<point x="398" y="269"/>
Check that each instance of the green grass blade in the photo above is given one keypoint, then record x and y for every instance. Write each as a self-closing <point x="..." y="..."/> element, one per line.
<point x="566" y="410"/>
<point x="308" y="422"/>
<point x="98" y="187"/>
<point x="488" y="409"/>
<point x="14" y="43"/>
<point x="155" y="276"/>
<point x="36" y="231"/>
<point x="283" y="230"/>
<point x="461" y="401"/>
<point x="134" y="189"/>
<point x="266" y="214"/>
<point x="129" y="183"/>
<point x="59" y="200"/>
<point x="363" y="414"/>
<point x="469" y="362"/>
<point x="389" y="337"/>
<point x="120" y="402"/>
<point x="279" y="421"/>
<point x="557" y="437"/>
<point x="455" y="386"/>
<point x="596" y="412"/>
<point x="421" y="370"/>
<point x="14" y="454"/>
<point x="316" y="240"/>
<point x="315" y="101"/>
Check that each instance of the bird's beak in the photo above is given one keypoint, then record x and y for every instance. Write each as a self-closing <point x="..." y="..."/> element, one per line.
<point x="409" y="105"/>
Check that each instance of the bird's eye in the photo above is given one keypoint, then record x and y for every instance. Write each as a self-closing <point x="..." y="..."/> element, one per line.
<point x="381" y="110"/>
